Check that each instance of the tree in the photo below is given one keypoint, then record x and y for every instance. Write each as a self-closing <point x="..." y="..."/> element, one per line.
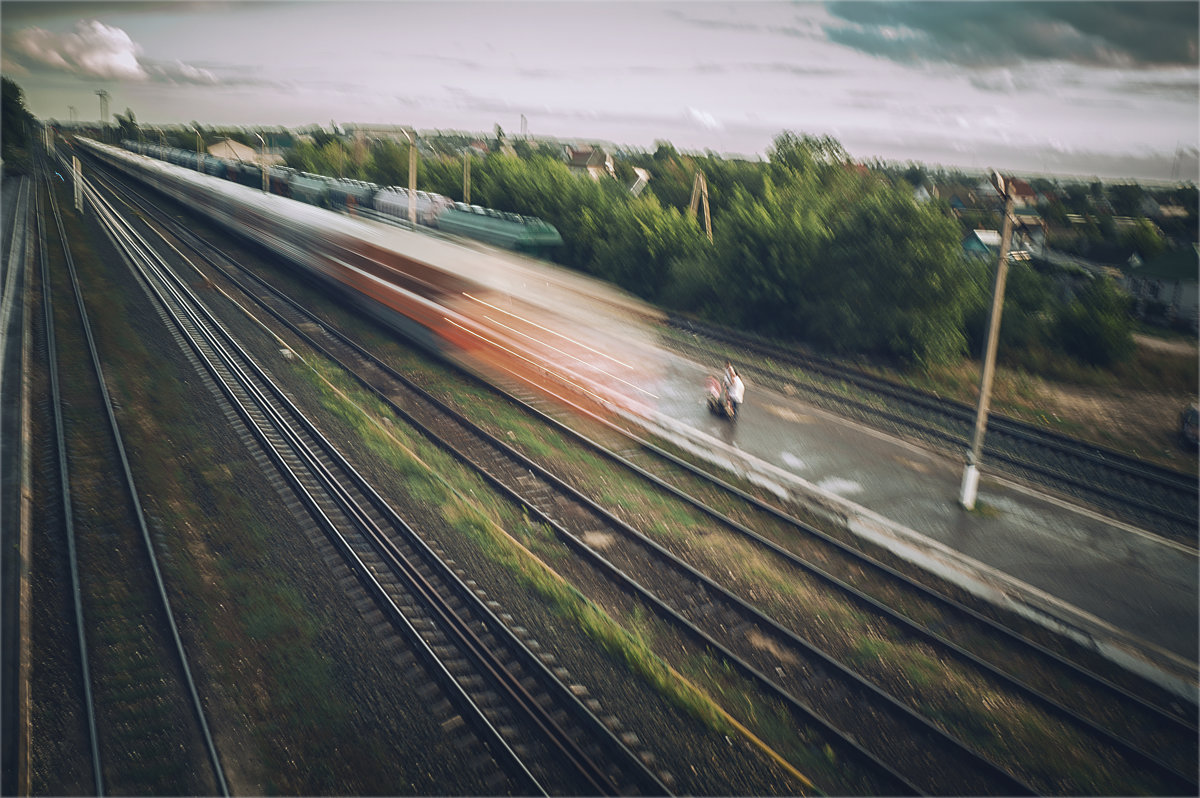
<point x="1028" y="303"/>
<point x="643" y="242"/>
<point x="665" y="151"/>
<point x="1096" y="328"/>
<point x="127" y="126"/>
<point x="803" y="154"/>
<point x="523" y="149"/>
<point x="1126" y="199"/>
<point x="16" y="128"/>
<point x="391" y="164"/>
<point x="892" y="281"/>
<point x="1144" y="238"/>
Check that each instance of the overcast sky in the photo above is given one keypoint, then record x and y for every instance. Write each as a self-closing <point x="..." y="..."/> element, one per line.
<point x="1089" y="88"/>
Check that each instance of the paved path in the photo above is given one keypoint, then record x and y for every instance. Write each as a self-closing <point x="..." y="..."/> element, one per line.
<point x="1129" y="593"/>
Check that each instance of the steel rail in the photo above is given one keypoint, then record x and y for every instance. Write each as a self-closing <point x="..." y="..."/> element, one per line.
<point x="178" y="302"/>
<point x="481" y="653"/>
<point x="533" y="467"/>
<point x="899" y="783"/>
<point x="988" y="666"/>
<point x="143" y="527"/>
<point x="64" y="477"/>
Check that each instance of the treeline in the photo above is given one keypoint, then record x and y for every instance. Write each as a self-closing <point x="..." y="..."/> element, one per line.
<point x="17" y="129"/>
<point x="806" y="246"/>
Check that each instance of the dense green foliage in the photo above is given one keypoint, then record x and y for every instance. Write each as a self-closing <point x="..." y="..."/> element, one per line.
<point x="17" y="129"/>
<point x="1096" y="328"/>
<point x="806" y="246"/>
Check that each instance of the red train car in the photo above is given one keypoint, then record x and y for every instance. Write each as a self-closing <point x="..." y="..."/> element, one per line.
<point x="500" y="314"/>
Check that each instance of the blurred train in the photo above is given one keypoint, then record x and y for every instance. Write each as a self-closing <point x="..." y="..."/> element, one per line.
<point x="526" y="234"/>
<point x="498" y="313"/>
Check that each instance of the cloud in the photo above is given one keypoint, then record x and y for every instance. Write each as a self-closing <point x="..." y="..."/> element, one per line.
<point x="702" y="118"/>
<point x="988" y="34"/>
<point x="92" y="50"/>
<point x="103" y="52"/>
<point x="179" y="72"/>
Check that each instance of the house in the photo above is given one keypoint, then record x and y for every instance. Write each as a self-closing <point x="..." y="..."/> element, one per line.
<point x="1022" y="193"/>
<point x="985" y="245"/>
<point x="1029" y="232"/>
<point x="643" y="178"/>
<point x="589" y="161"/>
<point x="232" y="150"/>
<point x="982" y="244"/>
<point x="1166" y="288"/>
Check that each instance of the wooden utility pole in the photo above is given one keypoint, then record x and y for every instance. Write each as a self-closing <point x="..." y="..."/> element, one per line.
<point x="467" y="176"/>
<point x="970" y="481"/>
<point x="700" y="193"/>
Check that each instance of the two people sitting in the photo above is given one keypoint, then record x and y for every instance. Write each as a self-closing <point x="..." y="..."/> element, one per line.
<point x="733" y="391"/>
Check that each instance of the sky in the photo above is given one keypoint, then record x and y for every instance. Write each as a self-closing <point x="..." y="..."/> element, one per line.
<point x="1072" y="88"/>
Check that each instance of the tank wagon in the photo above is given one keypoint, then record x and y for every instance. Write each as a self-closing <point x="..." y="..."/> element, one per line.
<point x="499" y="314"/>
<point x="525" y="234"/>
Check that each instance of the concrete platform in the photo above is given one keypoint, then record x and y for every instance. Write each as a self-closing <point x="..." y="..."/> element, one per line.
<point x="1130" y="594"/>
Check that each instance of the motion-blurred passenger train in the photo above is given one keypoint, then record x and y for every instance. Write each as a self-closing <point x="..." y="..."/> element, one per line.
<point x="498" y="313"/>
<point x="526" y="234"/>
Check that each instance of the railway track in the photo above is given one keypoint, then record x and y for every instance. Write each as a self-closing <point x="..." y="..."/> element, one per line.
<point x="1158" y="499"/>
<point x="538" y="728"/>
<point x="724" y="622"/>
<point x="140" y="718"/>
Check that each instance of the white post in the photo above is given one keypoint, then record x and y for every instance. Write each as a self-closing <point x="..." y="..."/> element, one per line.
<point x="262" y="161"/>
<point x="970" y="481"/>
<point x="78" y="184"/>
<point x="412" y="178"/>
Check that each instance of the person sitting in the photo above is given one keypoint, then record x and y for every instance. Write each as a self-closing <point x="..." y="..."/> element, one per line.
<point x="737" y="393"/>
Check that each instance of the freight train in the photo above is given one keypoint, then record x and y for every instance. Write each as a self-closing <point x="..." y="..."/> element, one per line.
<point x="526" y="234"/>
<point x="500" y="314"/>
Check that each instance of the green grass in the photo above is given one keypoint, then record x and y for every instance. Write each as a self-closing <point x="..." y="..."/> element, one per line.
<point x="442" y="483"/>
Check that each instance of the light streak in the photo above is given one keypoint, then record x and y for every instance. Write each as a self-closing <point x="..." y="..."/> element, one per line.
<point x="568" y="354"/>
<point x="535" y="364"/>
<point x="546" y="329"/>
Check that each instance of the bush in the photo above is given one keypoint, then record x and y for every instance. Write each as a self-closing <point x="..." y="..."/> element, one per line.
<point x="1097" y="327"/>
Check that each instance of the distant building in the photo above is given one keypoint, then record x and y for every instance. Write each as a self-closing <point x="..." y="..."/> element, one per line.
<point x="986" y="191"/>
<point x="591" y="161"/>
<point x="1030" y="231"/>
<point x="232" y="150"/>
<point x="985" y="245"/>
<point x="1022" y="193"/>
<point x="643" y="178"/>
<point x="1167" y="287"/>
<point x="982" y="244"/>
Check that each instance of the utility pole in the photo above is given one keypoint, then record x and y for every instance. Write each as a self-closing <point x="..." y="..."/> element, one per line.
<point x="412" y="175"/>
<point x="467" y="175"/>
<point x="262" y="160"/>
<point x="700" y="192"/>
<point x="199" y="157"/>
<point x="103" y="95"/>
<point x="970" y="481"/>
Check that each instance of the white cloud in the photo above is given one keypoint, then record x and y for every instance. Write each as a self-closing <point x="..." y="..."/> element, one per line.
<point x="179" y="72"/>
<point x="93" y="49"/>
<point x="703" y="118"/>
